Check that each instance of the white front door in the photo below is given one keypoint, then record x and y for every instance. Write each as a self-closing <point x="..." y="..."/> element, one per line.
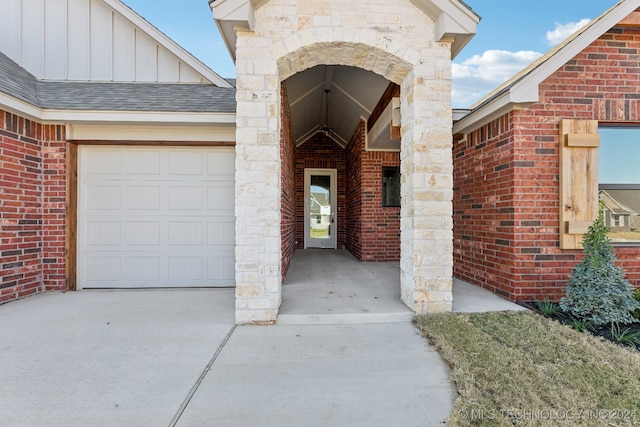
<point x="320" y="208"/>
<point x="155" y="217"/>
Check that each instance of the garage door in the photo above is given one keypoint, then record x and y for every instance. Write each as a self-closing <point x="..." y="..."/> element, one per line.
<point x="155" y="217"/>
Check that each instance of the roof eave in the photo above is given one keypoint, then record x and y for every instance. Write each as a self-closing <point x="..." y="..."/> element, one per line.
<point x="29" y="111"/>
<point x="231" y="15"/>
<point x="495" y="108"/>
<point x="454" y="21"/>
<point x="523" y="90"/>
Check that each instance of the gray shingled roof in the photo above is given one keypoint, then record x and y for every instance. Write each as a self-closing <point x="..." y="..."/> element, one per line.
<point x="629" y="197"/>
<point x="16" y="81"/>
<point x="113" y="96"/>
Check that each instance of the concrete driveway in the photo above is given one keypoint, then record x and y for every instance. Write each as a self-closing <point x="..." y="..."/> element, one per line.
<point x="174" y="357"/>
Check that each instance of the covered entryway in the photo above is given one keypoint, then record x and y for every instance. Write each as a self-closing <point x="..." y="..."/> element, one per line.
<point x="407" y="42"/>
<point x="332" y="286"/>
<point x="153" y="217"/>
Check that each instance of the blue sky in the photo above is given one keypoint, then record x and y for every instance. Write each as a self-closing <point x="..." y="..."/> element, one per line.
<point x="510" y="35"/>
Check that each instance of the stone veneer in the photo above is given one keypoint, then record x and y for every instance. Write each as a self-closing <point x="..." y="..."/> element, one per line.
<point x="393" y="39"/>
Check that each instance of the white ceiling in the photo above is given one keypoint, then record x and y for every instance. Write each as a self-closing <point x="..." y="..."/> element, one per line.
<point x="353" y="94"/>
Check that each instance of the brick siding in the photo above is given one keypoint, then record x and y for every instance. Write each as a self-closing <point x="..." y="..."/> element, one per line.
<point x="506" y="175"/>
<point x="373" y="231"/>
<point x="32" y="207"/>
<point x="288" y="181"/>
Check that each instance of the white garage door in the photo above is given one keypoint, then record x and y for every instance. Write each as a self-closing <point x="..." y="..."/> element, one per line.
<point x="155" y="217"/>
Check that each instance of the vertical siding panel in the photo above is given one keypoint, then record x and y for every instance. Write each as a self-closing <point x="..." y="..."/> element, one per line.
<point x="32" y="35"/>
<point x="123" y="50"/>
<point x="168" y="66"/>
<point x="10" y="29"/>
<point x="78" y="40"/>
<point x="188" y="74"/>
<point x="146" y="58"/>
<point x="101" y="41"/>
<point x="55" y="40"/>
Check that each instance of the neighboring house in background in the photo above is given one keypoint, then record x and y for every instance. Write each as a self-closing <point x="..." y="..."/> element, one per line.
<point x="128" y="163"/>
<point x="617" y="214"/>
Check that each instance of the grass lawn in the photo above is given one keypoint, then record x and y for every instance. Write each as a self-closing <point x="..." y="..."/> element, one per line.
<point x="519" y="368"/>
<point x="624" y="235"/>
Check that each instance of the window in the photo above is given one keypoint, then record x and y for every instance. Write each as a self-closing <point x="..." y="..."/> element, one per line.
<point x="619" y="181"/>
<point x="616" y="221"/>
<point x="391" y="186"/>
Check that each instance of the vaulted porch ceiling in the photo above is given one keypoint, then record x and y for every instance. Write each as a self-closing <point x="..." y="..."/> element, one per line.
<point x="352" y="94"/>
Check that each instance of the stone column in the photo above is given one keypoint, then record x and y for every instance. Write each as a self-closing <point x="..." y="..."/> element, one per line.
<point x="427" y="193"/>
<point x="257" y="192"/>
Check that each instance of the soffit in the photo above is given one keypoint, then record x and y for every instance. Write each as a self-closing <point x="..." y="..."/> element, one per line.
<point x="353" y="94"/>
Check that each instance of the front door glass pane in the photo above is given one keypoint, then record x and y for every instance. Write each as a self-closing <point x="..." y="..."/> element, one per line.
<point x="320" y="207"/>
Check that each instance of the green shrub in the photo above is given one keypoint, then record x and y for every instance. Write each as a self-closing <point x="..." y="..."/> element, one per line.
<point x="597" y="290"/>
<point x="636" y="296"/>
<point x="547" y="307"/>
<point x="625" y="336"/>
<point x="580" y="325"/>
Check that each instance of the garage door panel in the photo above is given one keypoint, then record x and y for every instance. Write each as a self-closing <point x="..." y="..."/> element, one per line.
<point x="185" y="198"/>
<point x="185" y="233"/>
<point x="103" y="233"/>
<point x="100" y="268"/>
<point x="185" y="269"/>
<point x="185" y="163"/>
<point x="142" y="233"/>
<point x="102" y="162"/>
<point x="216" y="196"/>
<point x="103" y="198"/>
<point x="221" y="233"/>
<point x="143" y="162"/>
<point x="142" y="268"/>
<point x="142" y="198"/>
<point x="220" y="268"/>
<point x="174" y="229"/>
<point x="221" y="164"/>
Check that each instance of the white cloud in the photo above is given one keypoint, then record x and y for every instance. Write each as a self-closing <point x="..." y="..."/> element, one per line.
<point x="562" y="31"/>
<point x="477" y="76"/>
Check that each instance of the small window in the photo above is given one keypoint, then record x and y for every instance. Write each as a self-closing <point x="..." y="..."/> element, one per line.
<point x="619" y="182"/>
<point x="391" y="186"/>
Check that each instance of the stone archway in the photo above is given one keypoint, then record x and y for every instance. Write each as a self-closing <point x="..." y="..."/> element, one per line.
<point x="397" y="41"/>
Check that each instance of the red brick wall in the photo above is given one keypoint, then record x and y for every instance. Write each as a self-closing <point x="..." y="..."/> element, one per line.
<point x="54" y="181"/>
<point x="355" y="149"/>
<point x="506" y="175"/>
<point x="373" y="232"/>
<point x="288" y="182"/>
<point x="32" y="203"/>
<point x="320" y="152"/>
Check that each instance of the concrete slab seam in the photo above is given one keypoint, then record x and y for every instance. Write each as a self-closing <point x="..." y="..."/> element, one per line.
<point x="204" y="373"/>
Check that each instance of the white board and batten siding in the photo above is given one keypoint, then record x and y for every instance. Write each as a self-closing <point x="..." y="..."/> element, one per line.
<point x="155" y="217"/>
<point x="88" y="40"/>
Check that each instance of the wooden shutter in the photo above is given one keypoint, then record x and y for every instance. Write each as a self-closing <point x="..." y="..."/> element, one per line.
<point x="579" y="142"/>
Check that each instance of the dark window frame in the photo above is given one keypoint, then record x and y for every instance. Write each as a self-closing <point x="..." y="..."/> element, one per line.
<point x="395" y="202"/>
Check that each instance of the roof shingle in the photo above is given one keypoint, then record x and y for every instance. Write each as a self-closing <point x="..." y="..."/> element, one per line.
<point x="113" y="96"/>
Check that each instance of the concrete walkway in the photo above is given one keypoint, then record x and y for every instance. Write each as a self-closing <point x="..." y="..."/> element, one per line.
<point x="326" y="286"/>
<point x="174" y="357"/>
<point x="348" y="357"/>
